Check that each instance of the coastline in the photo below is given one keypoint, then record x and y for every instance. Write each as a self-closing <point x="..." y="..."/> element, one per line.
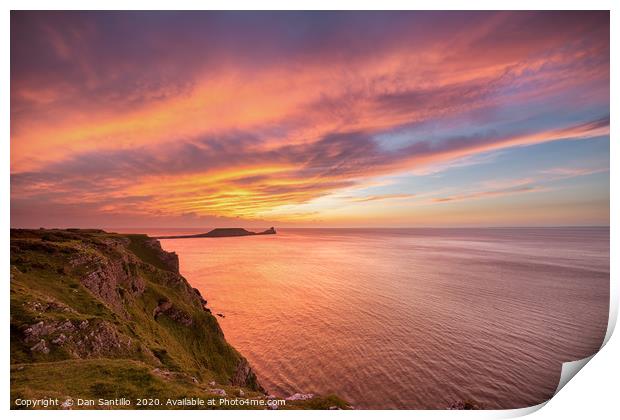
<point x="85" y="302"/>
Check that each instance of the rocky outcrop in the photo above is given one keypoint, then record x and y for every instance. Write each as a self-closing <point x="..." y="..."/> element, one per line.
<point x="299" y="397"/>
<point x="169" y="259"/>
<point x="112" y="282"/>
<point x="216" y="391"/>
<point x="245" y="376"/>
<point x="111" y="273"/>
<point x="203" y="301"/>
<point x="47" y="305"/>
<point x="165" y="307"/>
<point x="82" y="339"/>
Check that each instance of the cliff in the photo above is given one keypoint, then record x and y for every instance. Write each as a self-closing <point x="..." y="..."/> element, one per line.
<point x="102" y="315"/>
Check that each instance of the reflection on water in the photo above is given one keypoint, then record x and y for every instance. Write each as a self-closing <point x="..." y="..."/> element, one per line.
<point x="408" y="319"/>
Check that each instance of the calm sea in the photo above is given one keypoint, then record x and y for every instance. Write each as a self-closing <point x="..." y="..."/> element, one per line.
<point x="414" y="318"/>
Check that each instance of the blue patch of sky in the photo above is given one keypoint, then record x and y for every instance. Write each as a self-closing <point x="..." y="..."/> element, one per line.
<point x="537" y="162"/>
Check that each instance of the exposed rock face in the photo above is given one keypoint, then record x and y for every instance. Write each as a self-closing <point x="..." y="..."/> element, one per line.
<point x="178" y="282"/>
<point x="40" y="347"/>
<point x="169" y="259"/>
<point x="111" y="280"/>
<point x="203" y="301"/>
<point x="81" y="339"/>
<point x="165" y="307"/>
<point x="245" y="376"/>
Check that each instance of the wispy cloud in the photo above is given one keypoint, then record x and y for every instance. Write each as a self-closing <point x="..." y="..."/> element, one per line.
<point x="539" y="183"/>
<point x="233" y="115"/>
<point x="380" y="197"/>
<point x="570" y="172"/>
<point x="490" y="193"/>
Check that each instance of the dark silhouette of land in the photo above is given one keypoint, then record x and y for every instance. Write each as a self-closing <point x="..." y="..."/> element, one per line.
<point x="222" y="233"/>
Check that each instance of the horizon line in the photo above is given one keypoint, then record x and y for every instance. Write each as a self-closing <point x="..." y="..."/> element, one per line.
<point x="329" y="227"/>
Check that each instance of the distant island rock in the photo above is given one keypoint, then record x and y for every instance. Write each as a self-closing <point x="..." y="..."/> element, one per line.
<point x="222" y="233"/>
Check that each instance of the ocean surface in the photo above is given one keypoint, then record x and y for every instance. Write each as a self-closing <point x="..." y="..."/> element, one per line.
<point x="414" y="318"/>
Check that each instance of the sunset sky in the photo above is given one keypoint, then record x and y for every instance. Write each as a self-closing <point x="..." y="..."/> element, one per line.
<point x="215" y="119"/>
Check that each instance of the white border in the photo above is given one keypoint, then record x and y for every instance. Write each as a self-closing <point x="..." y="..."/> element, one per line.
<point x="593" y="395"/>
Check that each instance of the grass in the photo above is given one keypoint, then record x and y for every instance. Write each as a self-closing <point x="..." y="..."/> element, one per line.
<point x="94" y="379"/>
<point x="115" y="379"/>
